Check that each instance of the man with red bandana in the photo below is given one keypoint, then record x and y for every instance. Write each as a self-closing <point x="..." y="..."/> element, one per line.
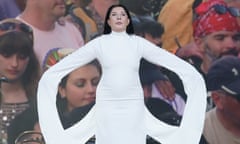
<point x="215" y="31"/>
<point x="216" y="34"/>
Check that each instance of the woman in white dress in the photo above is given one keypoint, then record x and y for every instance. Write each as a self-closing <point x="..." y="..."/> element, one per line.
<point x="119" y="115"/>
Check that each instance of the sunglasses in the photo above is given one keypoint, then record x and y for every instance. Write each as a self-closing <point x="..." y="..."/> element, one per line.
<point x="6" y="27"/>
<point x="220" y="9"/>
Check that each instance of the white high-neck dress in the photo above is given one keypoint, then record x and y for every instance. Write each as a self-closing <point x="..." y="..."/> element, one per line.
<point x="119" y="115"/>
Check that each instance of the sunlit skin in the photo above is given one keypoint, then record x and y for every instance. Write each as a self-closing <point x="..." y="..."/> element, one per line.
<point x="147" y="91"/>
<point x="13" y="66"/>
<point x="54" y="8"/>
<point x="43" y="13"/>
<point x="81" y="86"/>
<point x="37" y="128"/>
<point x="216" y="44"/>
<point x="118" y="19"/>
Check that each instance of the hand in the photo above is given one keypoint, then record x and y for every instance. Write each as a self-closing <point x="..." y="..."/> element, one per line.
<point x="165" y="88"/>
<point x="189" y="50"/>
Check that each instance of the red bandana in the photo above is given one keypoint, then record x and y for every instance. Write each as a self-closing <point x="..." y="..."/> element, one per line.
<point x="209" y="20"/>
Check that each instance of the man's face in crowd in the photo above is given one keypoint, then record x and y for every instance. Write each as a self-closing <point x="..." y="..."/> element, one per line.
<point x="221" y="43"/>
<point x="54" y="8"/>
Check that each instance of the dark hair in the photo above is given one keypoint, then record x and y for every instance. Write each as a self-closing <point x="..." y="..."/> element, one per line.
<point x="107" y="28"/>
<point x="196" y="3"/>
<point x="94" y="63"/>
<point x="20" y="43"/>
<point x="154" y="28"/>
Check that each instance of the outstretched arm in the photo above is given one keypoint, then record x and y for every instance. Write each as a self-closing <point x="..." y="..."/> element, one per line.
<point x="192" y="122"/>
<point x="49" y="120"/>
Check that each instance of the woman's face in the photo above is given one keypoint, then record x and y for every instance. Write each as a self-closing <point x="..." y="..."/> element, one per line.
<point x="81" y="86"/>
<point x="118" y="19"/>
<point x="13" y="66"/>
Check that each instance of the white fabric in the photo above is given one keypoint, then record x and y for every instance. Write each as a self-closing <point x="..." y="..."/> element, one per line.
<point x="119" y="110"/>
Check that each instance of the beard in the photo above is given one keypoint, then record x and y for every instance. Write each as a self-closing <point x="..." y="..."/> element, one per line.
<point x="209" y="53"/>
<point x="233" y="52"/>
<point x="213" y="57"/>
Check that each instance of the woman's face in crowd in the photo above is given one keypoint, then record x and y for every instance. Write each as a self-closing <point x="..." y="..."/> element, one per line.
<point x="81" y="86"/>
<point x="13" y="66"/>
<point x="118" y="19"/>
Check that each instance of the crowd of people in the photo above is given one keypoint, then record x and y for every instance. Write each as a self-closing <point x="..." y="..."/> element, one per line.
<point x="36" y="35"/>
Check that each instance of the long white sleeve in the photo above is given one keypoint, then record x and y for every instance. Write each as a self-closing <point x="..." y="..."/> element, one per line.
<point x="50" y="123"/>
<point x="119" y="55"/>
<point x="191" y="126"/>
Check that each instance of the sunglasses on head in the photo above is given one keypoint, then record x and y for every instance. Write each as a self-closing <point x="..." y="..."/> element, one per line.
<point x="6" y="27"/>
<point x="221" y="9"/>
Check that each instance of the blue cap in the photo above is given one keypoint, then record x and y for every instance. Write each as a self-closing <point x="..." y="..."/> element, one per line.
<point x="224" y="74"/>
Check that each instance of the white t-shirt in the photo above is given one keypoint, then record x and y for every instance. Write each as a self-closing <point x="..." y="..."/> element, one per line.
<point x="215" y="133"/>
